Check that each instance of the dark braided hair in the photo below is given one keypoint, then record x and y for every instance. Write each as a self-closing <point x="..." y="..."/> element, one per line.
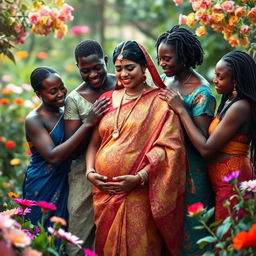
<point x="188" y="48"/>
<point x="130" y="51"/>
<point x="243" y="68"/>
<point x="88" y="47"/>
<point x="38" y="75"/>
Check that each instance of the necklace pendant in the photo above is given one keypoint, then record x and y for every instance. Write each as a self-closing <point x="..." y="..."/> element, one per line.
<point x="115" y="134"/>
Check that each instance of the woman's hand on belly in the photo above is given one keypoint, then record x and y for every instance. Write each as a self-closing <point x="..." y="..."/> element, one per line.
<point x="101" y="183"/>
<point x="125" y="183"/>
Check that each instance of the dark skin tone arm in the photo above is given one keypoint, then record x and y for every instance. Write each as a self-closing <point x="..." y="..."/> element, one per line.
<point x="235" y="119"/>
<point x="38" y="134"/>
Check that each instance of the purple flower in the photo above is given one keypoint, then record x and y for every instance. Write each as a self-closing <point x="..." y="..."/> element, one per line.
<point x="232" y="177"/>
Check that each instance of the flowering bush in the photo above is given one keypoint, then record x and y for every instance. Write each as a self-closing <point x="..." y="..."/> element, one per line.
<point x="236" y="235"/>
<point x="42" y="17"/>
<point x="234" y="19"/>
<point x="20" y="237"/>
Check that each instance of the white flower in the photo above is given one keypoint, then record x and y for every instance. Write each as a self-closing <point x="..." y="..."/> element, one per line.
<point x="249" y="185"/>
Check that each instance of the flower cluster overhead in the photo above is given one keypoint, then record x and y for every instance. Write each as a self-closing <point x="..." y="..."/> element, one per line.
<point x="40" y="16"/>
<point x="234" y="19"/>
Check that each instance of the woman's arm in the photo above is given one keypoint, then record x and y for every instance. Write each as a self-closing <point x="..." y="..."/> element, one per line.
<point x="234" y="118"/>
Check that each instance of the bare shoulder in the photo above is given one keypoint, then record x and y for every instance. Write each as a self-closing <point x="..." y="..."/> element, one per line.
<point x="241" y="109"/>
<point x="33" y="120"/>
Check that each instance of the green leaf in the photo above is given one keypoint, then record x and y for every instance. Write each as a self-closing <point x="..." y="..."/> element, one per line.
<point x="52" y="251"/>
<point x="209" y="254"/>
<point x="207" y="239"/>
<point x="199" y="227"/>
<point x="208" y="215"/>
<point x="10" y="56"/>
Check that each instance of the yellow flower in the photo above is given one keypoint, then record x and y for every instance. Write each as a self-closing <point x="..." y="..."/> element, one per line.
<point x="15" y="161"/>
<point x="58" y="1"/>
<point x="226" y="35"/>
<point x="217" y="17"/>
<point x="233" y="20"/>
<point x="12" y="194"/>
<point x="20" y="55"/>
<point x="201" y="31"/>
<point x="6" y="91"/>
<point x="191" y="21"/>
<point x="37" y="5"/>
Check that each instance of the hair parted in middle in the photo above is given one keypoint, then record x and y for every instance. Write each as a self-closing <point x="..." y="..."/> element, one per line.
<point x="130" y="50"/>
<point x="188" y="47"/>
<point x="88" y="47"/>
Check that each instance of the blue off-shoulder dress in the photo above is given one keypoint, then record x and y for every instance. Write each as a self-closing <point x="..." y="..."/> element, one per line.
<point x="47" y="182"/>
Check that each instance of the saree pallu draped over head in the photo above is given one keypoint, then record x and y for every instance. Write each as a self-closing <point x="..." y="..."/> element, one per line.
<point x="149" y="219"/>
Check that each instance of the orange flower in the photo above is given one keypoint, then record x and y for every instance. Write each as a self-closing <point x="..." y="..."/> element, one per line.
<point x="6" y="184"/>
<point x="252" y="15"/>
<point x="6" y="91"/>
<point x="10" y="144"/>
<point x="4" y="101"/>
<point x="58" y="220"/>
<point x="243" y="41"/>
<point x="18" y="101"/>
<point x="252" y="236"/>
<point x="233" y="40"/>
<point x="240" y="11"/>
<point x="14" y="195"/>
<point x="69" y="68"/>
<point x="217" y="28"/>
<point x="201" y="31"/>
<point x="218" y="17"/>
<point x="31" y="252"/>
<point x="3" y="139"/>
<point x="233" y="20"/>
<point x="229" y="28"/>
<point x="239" y="241"/>
<point x="42" y="55"/>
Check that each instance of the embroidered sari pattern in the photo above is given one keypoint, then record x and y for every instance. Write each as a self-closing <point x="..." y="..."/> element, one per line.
<point x="141" y="222"/>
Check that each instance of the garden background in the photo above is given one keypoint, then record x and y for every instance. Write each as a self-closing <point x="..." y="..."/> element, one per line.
<point x="109" y="22"/>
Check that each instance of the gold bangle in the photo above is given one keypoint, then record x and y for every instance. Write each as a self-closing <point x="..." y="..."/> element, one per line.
<point x="143" y="174"/>
<point x="89" y="170"/>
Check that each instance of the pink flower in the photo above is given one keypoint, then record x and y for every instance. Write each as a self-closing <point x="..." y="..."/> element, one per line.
<point x="182" y="19"/>
<point x="6" y="222"/>
<point x="249" y="185"/>
<point x="89" y="252"/>
<point x="45" y="206"/>
<point x="228" y="6"/>
<point x="245" y="30"/>
<point x="78" y="30"/>
<point x="31" y="236"/>
<point x="30" y="252"/>
<point x="23" y="212"/>
<point x="177" y="2"/>
<point x="66" y="236"/>
<point x="37" y="230"/>
<point x="11" y="212"/>
<point x="17" y="237"/>
<point x="232" y="177"/>
<point x="195" y="209"/>
<point x="24" y="202"/>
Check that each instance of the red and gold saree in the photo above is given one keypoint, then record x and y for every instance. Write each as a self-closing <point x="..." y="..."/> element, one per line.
<point x="149" y="219"/>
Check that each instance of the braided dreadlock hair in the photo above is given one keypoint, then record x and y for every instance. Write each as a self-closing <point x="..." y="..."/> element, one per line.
<point x="38" y="75"/>
<point x="88" y="47"/>
<point x="243" y="69"/>
<point x="188" y="47"/>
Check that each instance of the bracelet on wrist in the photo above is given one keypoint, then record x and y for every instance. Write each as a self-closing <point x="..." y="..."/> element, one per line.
<point x="89" y="170"/>
<point x="143" y="174"/>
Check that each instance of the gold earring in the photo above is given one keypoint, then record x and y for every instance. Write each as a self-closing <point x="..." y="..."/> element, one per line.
<point x="234" y="93"/>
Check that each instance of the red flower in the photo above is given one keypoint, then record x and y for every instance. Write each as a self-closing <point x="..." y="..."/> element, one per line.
<point x="24" y="202"/>
<point x="252" y="236"/>
<point x="10" y="144"/>
<point x="4" y="101"/>
<point x="195" y="209"/>
<point x="239" y="241"/>
<point x="45" y="206"/>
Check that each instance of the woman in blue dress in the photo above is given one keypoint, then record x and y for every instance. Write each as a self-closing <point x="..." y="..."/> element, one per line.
<point x="46" y="177"/>
<point x="179" y="52"/>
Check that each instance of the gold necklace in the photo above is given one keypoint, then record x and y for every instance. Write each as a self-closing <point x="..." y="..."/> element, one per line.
<point x="131" y="97"/>
<point x="116" y="131"/>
